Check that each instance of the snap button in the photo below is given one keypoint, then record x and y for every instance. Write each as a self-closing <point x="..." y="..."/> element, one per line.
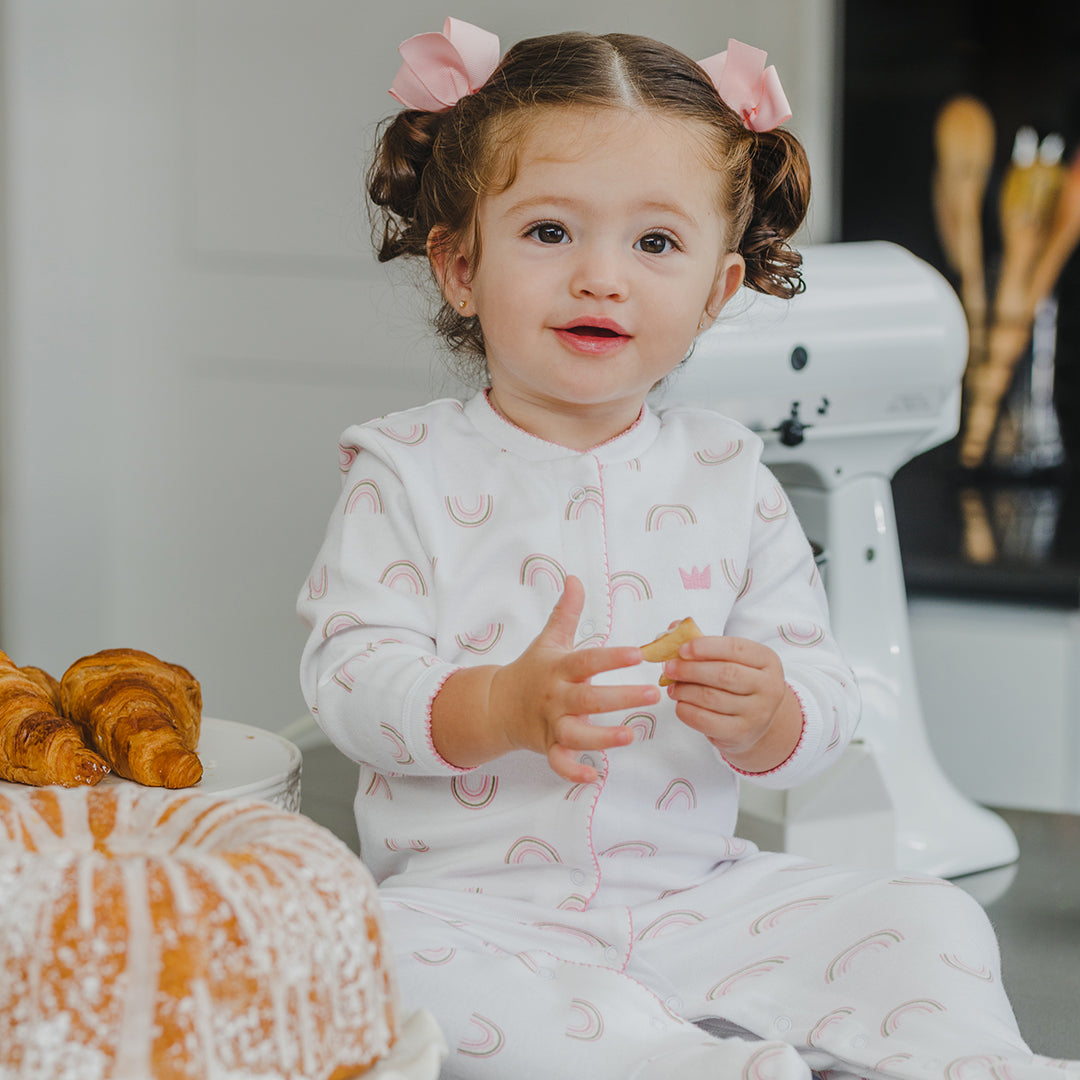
<point x="577" y="494"/>
<point x="782" y="1023"/>
<point x="588" y="628"/>
<point x="674" y="1003"/>
<point x="577" y="877"/>
<point x="611" y="954"/>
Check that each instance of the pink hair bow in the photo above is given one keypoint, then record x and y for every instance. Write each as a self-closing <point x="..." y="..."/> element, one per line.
<point x="749" y="87"/>
<point x="440" y="69"/>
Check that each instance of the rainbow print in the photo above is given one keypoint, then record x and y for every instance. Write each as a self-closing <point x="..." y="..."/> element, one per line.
<point x="637" y="585"/>
<point x="574" y="902"/>
<point x="638" y="849"/>
<point x="834" y="736"/>
<point x="886" y="1063"/>
<point x="474" y="791"/>
<point x="379" y="786"/>
<point x="718" y="457"/>
<point x="316" y="586"/>
<point x="582" y="498"/>
<point x="579" y="935"/>
<point x="762" y="1064"/>
<point x="895" y="1017"/>
<point x="365" y="497"/>
<point x="405" y="577"/>
<point x="981" y="972"/>
<point x="672" y="921"/>
<point x="977" y="1066"/>
<point x="770" y="919"/>
<point x="878" y="941"/>
<point x="740" y="583"/>
<point x="399" y="750"/>
<point x="485" y="1038"/>
<point x="346" y="456"/>
<point x="575" y="791"/>
<point x="412" y="435"/>
<point x="643" y="725"/>
<point x="344" y="676"/>
<point x="483" y="642"/>
<point x="663" y="514"/>
<point x="470" y="513"/>
<point x="772" y="506"/>
<point x="802" y="635"/>
<point x="341" y="620"/>
<point x="435" y="957"/>
<point x="536" y="569"/>
<point x="835" y="1017"/>
<point x="531" y="849"/>
<point x="587" y="1022"/>
<point x="678" y="795"/>
<point x="751" y="971"/>
<point x="405" y="845"/>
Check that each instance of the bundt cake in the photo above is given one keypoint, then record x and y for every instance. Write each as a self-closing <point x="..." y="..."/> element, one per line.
<point x="176" y="936"/>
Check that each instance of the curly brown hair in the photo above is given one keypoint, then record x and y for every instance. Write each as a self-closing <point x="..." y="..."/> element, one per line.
<point x="431" y="169"/>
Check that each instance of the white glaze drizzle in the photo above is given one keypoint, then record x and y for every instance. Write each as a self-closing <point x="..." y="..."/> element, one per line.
<point x="303" y="905"/>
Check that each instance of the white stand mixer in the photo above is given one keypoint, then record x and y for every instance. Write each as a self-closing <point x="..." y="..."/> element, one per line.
<point x="846" y="383"/>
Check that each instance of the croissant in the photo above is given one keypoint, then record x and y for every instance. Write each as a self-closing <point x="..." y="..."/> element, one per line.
<point x="37" y="744"/>
<point x="142" y="713"/>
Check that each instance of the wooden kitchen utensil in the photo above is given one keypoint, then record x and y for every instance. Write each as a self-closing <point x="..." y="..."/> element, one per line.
<point x="964" y="148"/>
<point x="1028" y="199"/>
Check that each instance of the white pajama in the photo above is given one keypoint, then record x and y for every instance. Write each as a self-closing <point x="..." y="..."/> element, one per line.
<point x="560" y="929"/>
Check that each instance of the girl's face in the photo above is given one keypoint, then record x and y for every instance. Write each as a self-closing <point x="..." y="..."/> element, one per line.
<point x="600" y="263"/>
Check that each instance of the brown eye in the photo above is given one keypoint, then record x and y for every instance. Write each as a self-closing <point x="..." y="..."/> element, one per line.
<point x="547" y="232"/>
<point x="655" y="244"/>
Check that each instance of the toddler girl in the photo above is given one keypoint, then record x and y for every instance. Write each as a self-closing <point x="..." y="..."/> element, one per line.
<point x="553" y="835"/>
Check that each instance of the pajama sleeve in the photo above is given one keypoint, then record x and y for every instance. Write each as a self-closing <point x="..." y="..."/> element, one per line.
<point x="783" y="606"/>
<point x="369" y="671"/>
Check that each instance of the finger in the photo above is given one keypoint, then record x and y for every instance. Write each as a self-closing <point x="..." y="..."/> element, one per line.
<point x="734" y="650"/>
<point x="563" y="621"/>
<point x="583" y="664"/>
<point x="721" y="703"/>
<point x="578" y="734"/>
<point x="586" y="699"/>
<point x="564" y="763"/>
<point x="723" y="675"/>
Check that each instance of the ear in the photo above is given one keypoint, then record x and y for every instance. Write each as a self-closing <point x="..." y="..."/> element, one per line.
<point x="729" y="277"/>
<point x="451" y="268"/>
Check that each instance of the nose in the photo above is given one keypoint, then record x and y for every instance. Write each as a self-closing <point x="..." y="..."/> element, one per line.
<point x="599" y="274"/>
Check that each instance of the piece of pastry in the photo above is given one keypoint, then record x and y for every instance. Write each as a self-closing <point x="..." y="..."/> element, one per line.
<point x="38" y="745"/>
<point x="666" y="646"/>
<point x="143" y="714"/>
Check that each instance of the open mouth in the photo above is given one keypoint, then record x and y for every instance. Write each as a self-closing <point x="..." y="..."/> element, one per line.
<point x="593" y="331"/>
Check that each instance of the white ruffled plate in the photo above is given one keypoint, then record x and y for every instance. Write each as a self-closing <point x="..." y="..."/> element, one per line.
<point x="240" y="761"/>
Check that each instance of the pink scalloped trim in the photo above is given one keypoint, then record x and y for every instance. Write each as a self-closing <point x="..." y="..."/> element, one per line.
<point x="427" y="726"/>
<point x="794" y="752"/>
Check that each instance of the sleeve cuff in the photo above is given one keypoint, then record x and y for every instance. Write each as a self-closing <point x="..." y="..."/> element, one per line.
<point x="801" y="762"/>
<point x="416" y="719"/>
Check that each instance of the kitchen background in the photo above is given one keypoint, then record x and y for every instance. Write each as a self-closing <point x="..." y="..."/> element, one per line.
<point x="192" y="315"/>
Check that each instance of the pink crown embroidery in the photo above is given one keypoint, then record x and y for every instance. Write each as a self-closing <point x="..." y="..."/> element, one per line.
<point x="695" y="578"/>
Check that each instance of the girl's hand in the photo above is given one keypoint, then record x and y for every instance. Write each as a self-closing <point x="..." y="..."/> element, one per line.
<point x="545" y="698"/>
<point x="733" y="691"/>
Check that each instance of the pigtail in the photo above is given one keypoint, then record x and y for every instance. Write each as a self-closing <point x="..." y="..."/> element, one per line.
<point x="780" y="181"/>
<point x="404" y="147"/>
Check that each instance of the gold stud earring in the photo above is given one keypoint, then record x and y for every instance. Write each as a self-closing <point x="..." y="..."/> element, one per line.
<point x="462" y="303"/>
